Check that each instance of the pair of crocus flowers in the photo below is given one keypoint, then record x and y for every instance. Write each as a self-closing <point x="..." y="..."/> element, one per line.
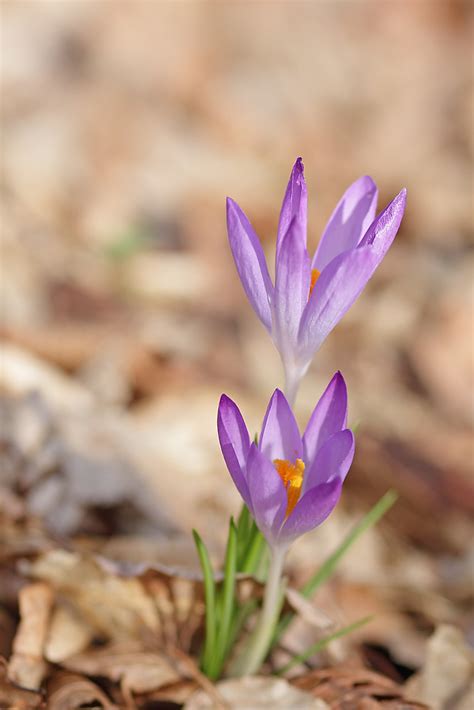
<point x="292" y="483"/>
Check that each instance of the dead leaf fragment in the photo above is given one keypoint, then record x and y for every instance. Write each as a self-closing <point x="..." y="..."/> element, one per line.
<point x="137" y="670"/>
<point x="346" y="686"/>
<point x="308" y="612"/>
<point x="22" y="372"/>
<point x="67" y="691"/>
<point x="447" y="679"/>
<point x="256" y="693"/>
<point x="12" y="697"/>
<point x="118" y="608"/>
<point x="68" y="634"/>
<point x="27" y="666"/>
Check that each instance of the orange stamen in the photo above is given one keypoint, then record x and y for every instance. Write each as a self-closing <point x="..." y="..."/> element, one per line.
<point x="315" y="274"/>
<point x="292" y="476"/>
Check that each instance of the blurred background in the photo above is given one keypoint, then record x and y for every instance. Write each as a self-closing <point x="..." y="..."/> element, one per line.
<point x="125" y="125"/>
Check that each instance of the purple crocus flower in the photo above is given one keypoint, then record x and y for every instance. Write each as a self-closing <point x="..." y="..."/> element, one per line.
<point x="289" y="483"/>
<point x="311" y="296"/>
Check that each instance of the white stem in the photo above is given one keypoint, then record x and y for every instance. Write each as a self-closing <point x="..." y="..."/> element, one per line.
<point x="292" y="383"/>
<point x="255" y="653"/>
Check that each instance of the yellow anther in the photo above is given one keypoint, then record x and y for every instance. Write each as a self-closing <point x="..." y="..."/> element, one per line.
<point x="292" y="476"/>
<point x="314" y="277"/>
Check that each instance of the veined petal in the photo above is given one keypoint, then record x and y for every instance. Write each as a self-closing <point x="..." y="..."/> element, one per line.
<point x="332" y="461"/>
<point x="292" y="281"/>
<point x="295" y="205"/>
<point x="280" y="437"/>
<point x="335" y="291"/>
<point x="348" y="223"/>
<point x="267" y="493"/>
<point x="232" y="429"/>
<point x="329" y="416"/>
<point x="235" y="443"/>
<point x="384" y="228"/>
<point x="250" y="262"/>
<point x="343" y="279"/>
<point x="312" y="510"/>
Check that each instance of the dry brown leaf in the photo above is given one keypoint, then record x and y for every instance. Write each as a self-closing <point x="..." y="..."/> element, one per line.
<point x="346" y="688"/>
<point x="68" y="634"/>
<point x="256" y="693"/>
<point x="68" y="691"/>
<point x="13" y="698"/>
<point x="307" y="611"/>
<point x="7" y="629"/>
<point x="116" y="607"/>
<point x="447" y="678"/>
<point x="22" y="373"/>
<point x="27" y="666"/>
<point x="177" y="693"/>
<point x="120" y="600"/>
<point x="20" y="538"/>
<point x="136" y="669"/>
<point x="74" y="475"/>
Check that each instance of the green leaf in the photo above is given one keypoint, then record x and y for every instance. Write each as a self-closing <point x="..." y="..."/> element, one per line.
<point x="244" y="527"/>
<point x="319" y="645"/>
<point x="127" y="243"/>
<point x="250" y="544"/>
<point x="356" y="426"/>
<point x="227" y="602"/>
<point x="370" y="519"/>
<point x="253" y="553"/>
<point x="240" y="617"/>
<point x="328" y="567"/>
<point x="210" y="599"/>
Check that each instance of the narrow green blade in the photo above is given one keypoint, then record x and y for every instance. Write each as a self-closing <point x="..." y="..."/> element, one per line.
<point x="227" y="602"/>
<point x="240" y="617"/>
<point x="244" y="527"/>
<point x="328" y="567"/>
<point x="319" y="645"/>
<point x="253" y="553"/>
<point x="210" y="599"/>
<point x="370" y="519"/>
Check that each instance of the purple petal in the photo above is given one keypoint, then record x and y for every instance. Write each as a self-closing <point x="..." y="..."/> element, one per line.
<point x="332" y="461"/>
<point x="280" y="437"/>
<point x="295" y="204"/>
<point x="335" y="291"/>
<point x="250" y="262"/>
<point x="292" y="281"/>
<point x="329" y="416"/>
<point x="235" y="443"/>
<point x="232" y="428"/>
<point x="267" y="493"/>
<point x="383" y="230"/>
<point x="349" y="221"/>
<point x="311" y="510"/>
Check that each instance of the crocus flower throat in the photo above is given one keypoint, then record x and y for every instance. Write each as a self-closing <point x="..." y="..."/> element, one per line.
<point x="289" y="482"/>
<point x="292" y="477"/>
<point x="315" y="274"/>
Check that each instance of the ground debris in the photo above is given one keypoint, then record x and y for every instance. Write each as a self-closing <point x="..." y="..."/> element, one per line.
<point x="355" y="688"/>
<point x="138" y="670"/>
<point x="123" y="320"/>
<point x="255" y="693"/>
<point x="15" y="698"/>
<point x="27" y="666"/>
<point x="68" y="691"/>
<point x="447" y="678"/>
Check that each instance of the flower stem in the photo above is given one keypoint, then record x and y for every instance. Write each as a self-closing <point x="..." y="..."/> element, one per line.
<point x="255" y="652"/>
<point x="292" y="383"/>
